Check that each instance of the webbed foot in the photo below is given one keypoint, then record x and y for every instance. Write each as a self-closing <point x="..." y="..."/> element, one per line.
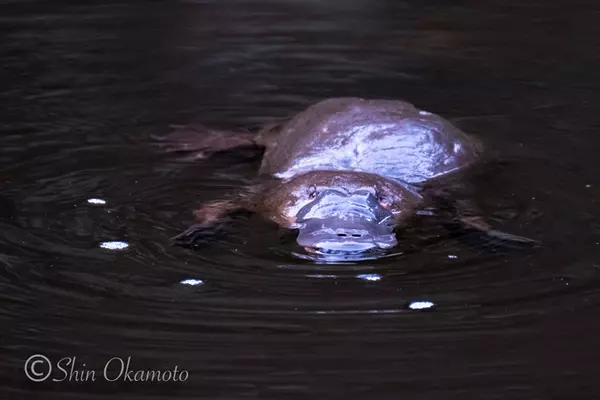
<point x="207" y="215"/>
<point x="190" y="235"/>
<point x="479" y="224"/>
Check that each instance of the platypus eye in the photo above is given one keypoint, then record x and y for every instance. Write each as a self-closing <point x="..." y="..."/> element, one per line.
<point x="383" y="199"/>
<point x="312" y="192"/>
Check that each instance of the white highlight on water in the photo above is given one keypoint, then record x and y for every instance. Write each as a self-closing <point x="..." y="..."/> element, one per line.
<point x="420" y="305"/>
<point x="96" y="201"/>
<point x="114" y="245"/>
<point x="192" y="282"/>
<point x="369" y="277"/>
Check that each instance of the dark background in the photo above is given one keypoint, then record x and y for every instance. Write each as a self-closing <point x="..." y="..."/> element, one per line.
<point x="83" y="88"/>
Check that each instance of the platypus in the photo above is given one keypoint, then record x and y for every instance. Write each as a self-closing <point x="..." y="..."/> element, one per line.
<point x="347" y="172"/>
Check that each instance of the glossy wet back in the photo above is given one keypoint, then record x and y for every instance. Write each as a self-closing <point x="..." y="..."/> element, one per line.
<point x="386" y="137"/>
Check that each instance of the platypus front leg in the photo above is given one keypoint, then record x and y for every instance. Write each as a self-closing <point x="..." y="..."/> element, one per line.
<point x="464" y="211"/>
<point x="479" y="224"/>
<point x="207" y="216"/>
<point x="467" y="215"/>
<point x="210" y="213"/>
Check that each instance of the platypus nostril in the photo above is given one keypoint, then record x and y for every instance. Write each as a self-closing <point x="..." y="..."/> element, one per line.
<point x="341" y="234"/>
<point x="356" y="235"/>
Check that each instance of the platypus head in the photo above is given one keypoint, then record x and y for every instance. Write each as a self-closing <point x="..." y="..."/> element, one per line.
<point x="346" y="212"/>
<point x="349" y="221"/>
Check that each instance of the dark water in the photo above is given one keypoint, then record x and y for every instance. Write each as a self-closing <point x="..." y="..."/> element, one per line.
<point x="85" y="86"/>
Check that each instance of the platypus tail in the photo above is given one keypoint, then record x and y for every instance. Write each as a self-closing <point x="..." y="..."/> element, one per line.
<point x="268" y="133"/>
<point x="201" y="141"/>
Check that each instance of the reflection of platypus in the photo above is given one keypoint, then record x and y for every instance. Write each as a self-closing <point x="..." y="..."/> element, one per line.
<point x="350" y="171"/>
